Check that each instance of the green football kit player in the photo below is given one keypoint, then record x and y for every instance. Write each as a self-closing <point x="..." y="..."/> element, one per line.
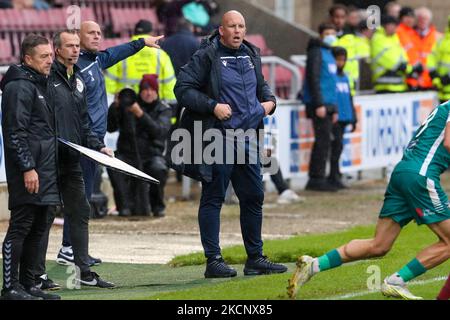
<point x="413" y="192"/>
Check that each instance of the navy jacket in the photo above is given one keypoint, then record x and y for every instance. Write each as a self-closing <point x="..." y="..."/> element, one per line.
<point x="180" y="47"/>
<point x="92" y="66"/>
<point x="346" y="111"/>
<point x="320" y="86"/>
<point x="198" y="90"/>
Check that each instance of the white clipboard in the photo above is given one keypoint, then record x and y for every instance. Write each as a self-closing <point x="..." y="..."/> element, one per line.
<point x="110" y="162"/>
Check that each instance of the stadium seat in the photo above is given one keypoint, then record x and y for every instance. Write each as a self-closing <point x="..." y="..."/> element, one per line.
<point x="283" y="78"/>
<point x="124" y="20"/>
<point x="259" y="41"/>
<point x="108" y="43"/>
<point x="101" y="8"/>
<point x="6" y="56"/>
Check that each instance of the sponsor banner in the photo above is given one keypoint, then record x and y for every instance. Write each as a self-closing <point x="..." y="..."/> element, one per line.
<point x="385" y="125"/>
<point x="386" y="122"/>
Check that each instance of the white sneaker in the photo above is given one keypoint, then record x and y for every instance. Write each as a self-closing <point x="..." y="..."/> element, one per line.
<point x="397" y="291"/>
<point x="288" y="196"/>
<point x="303" y="272"/>
<point x="65" y="256"/>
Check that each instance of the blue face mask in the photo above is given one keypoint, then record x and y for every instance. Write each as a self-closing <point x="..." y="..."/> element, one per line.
<point x="330" y="39"/>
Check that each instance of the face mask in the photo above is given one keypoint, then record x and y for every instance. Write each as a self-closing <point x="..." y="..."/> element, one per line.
<point x="329" y="39"/>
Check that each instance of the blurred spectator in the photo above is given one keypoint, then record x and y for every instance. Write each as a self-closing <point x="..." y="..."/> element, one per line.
<point x="319" y="96"/>
<point x="388" y="58"/>
<point x="143" y="123"/>
<point x="338" y="17"/>
<point x="409" y="39"/>
<point x="169" y="12"/>
<point x="285" y="194"/>
<point x="197" y="12"/>
<point x="392" y="9"/>
<point x="346" y="39"/>
<point x="346" y="116"/>
<point x="439" y="65"/>
<point x="363" y="36"/>
<point x="30" y="4"/>
<point x="6" y="4"/>
<point x="427" y="38"/>
<point x="181" y="45"/>
<point x="353" y="19"/>
<point x="22" y="4"/>
<point x="128" y="72"/>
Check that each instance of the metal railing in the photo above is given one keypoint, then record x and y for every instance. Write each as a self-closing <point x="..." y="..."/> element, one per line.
<point x="299" y="60"/>
<point x="296" y="80"/>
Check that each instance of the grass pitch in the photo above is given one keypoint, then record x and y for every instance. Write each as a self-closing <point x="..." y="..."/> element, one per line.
<point x="351" y="281"/>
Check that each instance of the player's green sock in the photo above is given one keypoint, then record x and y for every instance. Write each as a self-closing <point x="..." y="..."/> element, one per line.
<point x="330" y="260"/>
<point x="412" y="270"/>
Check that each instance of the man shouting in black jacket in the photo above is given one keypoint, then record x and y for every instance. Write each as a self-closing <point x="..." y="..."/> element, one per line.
<point x="28" y="123"/>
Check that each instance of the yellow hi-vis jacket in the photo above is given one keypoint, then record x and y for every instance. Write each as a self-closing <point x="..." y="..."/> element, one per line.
<point x="129" y="72"/>
<point x="351" y="68"/>
<point x="387" y="54"/>
<point x="438" y="64"/>
<point x="362" y="48"/>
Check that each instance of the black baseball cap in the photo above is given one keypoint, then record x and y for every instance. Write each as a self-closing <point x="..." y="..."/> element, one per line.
<point x="143" y="26"/>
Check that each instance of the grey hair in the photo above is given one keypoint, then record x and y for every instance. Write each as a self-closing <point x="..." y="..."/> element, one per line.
<point x="57" y="37"/>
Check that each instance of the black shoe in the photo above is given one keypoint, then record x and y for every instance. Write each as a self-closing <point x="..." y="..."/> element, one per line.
<point x="159" y="214"/>
<point x="92" y="279"/>
<point x="17" y="292"/>
<point x="45" y="283"/>
<point x="124" y="212"/>
<point x="217" y="268"/>
<point x="320" y="185"/>
<point x="94" y="261"/>
<point x="262" y="265"/>
<point x="36" y="292"/>
<point x="337" y="183"/>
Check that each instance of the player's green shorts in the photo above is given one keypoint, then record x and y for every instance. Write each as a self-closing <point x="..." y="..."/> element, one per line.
<point x="412" y="196"/>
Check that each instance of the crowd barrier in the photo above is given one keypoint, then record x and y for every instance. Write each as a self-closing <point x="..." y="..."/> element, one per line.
<point x="385" y="125"/>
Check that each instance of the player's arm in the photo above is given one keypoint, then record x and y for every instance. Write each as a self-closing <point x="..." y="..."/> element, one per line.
<point x="447" y="136"/>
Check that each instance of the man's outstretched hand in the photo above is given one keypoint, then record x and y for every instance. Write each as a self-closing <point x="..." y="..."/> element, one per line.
<point x="153" y="41"/>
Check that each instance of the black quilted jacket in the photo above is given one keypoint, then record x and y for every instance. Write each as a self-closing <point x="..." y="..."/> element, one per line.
<point x="28" y="125"/>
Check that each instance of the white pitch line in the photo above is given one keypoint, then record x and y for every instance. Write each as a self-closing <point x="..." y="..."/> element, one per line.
<point x="363" y="293"/>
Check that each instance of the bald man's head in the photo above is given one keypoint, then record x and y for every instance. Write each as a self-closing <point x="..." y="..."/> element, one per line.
<point x="232" y="29"/>
<point x="90" y="36"/>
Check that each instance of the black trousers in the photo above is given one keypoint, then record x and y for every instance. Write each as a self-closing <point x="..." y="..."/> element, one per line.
<point x="277" y="177"/>
<point x="337" y="146"/>
<point x="76" y="210"/>
<point x="135" y="195"/>
<point x="22" y="244"/>
<point x="43" y="246"/>
<point x="321" y="147"/>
